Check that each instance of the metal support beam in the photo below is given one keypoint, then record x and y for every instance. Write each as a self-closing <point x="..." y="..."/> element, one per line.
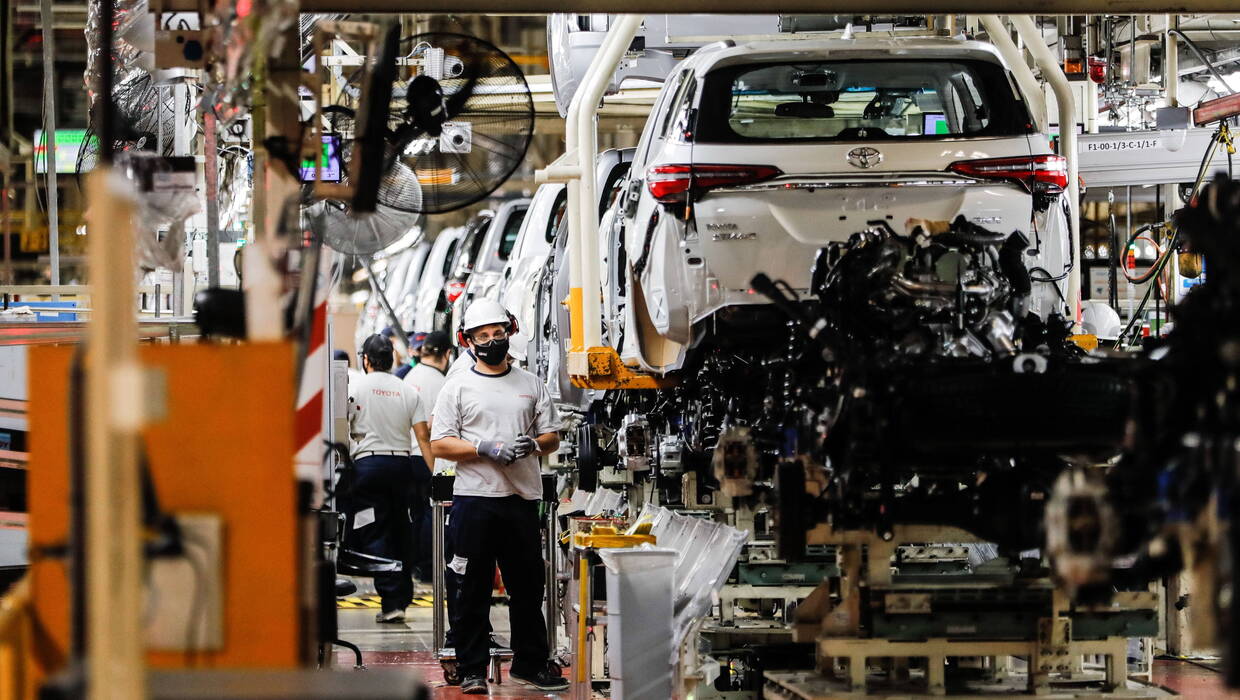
<point x="113" y="398"/>
<point x="586" y="101"/>
<point x="49" y="139"/>
<point x="211" y="174"/>
<point x="1053" y="74"/>
<point x="276" y="190"/>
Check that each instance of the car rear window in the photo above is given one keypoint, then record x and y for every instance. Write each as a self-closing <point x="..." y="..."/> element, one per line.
<point x="859" y="101"/>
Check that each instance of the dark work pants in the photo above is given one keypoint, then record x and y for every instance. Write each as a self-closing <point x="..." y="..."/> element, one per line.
<point x="452" y="583"/>
<point x="503" y="531"/>
<point x="420" y="516"/>
<point x="384" y="483"/>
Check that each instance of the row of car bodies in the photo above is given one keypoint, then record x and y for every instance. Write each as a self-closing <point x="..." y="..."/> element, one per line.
<point x="423" y="282"/>
<point x="753" y="159"/>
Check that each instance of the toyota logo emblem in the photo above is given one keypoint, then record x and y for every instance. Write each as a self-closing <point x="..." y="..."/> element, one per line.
<point x="865" y="157"/>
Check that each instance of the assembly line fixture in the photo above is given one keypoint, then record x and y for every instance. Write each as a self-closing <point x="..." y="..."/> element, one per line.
<point x="586" y="354"/>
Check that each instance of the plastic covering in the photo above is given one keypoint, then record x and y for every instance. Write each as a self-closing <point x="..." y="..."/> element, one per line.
<point x="596" y="503"/>
<point x="134" y="43"/>
<point x="240" y="33"/>
<point x="706" y="552"/>
<point x="165" y="202"/>
<point x="640" y="582"/>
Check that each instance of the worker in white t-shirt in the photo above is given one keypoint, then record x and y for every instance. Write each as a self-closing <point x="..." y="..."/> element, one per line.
<point x="463" y="363"/>
<point x="427" y="378"/>
<point x="429" y="375"/>
<point x="495" y="421"/>
<point x="383" y="412"/>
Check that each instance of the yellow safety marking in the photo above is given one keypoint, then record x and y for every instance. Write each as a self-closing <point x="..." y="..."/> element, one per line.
<point x="576" y="323"/>
<point x="354" y="602"/>
<point x="423" y="602"/>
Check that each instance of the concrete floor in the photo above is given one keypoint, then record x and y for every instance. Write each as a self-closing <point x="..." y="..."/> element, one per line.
<point x="1191" y="680"/>
<point x="409" y="644"/>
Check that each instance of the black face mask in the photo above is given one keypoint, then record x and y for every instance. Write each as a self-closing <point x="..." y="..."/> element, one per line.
<point x="492" y="353"/>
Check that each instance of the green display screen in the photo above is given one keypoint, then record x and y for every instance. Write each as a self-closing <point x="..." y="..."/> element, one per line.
<point x="69" y="145"/>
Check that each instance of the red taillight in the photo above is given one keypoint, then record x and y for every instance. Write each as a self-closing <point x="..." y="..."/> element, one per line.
<point x="670" y="184"/>
<point x="1045" y="174"/>
<point x="1097" y="69"/>
<point x="453" y="291"/>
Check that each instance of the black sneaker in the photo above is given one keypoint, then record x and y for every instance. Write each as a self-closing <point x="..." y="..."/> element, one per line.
<point x="543" y="680"/>
<point x="474" y="685"/>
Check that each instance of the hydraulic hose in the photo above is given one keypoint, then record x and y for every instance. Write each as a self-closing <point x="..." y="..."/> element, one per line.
<point x="1201" y="57"/>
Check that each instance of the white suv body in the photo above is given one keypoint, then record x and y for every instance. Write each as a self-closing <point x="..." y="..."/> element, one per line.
<point x="782" y="147"/>
<point x="429" y="304"/>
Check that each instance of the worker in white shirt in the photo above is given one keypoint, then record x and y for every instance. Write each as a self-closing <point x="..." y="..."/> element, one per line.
<point x="383" y="411"/>
<point x="463" y="363"/>
<point x="427" y="378"/>
<point x="495" y="421"/>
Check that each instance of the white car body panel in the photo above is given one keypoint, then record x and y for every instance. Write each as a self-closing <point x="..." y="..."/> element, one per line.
<point x="404" y="299"/>
<point x="484" y="281"/>
<point x="517" y="288"/>
<point x="430" y="287"/>
<point x="691" y="271"/>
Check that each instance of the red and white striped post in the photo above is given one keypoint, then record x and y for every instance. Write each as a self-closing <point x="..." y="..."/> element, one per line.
<point x="310" y="424"/>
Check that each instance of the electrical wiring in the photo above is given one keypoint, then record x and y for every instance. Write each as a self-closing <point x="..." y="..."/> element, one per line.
<point x="198" y="607"/>
<point x="1136" y="314"/>
<point x="1049" y="280"/>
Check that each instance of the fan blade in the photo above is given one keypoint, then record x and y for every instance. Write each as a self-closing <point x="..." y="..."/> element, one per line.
<point x="399" y="141"/>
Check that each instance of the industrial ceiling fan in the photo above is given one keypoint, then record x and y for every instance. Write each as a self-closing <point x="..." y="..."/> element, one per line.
<point x="439" y="127"/>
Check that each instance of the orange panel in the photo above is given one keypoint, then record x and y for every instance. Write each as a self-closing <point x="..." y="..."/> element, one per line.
<point x="224" y="447"/>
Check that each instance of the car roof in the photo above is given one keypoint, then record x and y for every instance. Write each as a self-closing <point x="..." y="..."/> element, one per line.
<point x="842" y="49"/>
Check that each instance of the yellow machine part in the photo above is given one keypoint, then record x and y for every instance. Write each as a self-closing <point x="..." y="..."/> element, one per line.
<point x="608" y="537"/>
<point x="1085" y="341"/>
<point x="607" y="371"/>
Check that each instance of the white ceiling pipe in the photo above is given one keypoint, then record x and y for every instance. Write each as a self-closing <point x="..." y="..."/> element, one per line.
<point x="1032" y="91"/>
<point x="1053" y="74"/>
<point x="582" y="137"/>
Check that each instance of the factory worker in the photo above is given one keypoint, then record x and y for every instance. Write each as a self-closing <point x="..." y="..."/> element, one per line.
<point x="427" y="378"/>
<point x="383" y="411"/>
<point x="494" y="421"/>
<point x="415" y="356"/>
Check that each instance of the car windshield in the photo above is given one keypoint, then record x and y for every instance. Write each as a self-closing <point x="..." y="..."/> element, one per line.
<point x="471" y="244"/>
<point x="859" y="101"/>
<point x="512" y="228"/>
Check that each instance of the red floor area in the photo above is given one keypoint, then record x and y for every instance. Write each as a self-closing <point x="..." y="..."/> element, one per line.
<point x="424" y="662"/>
<point x="1187" y="679"/>
<point x="1191" y="680"/>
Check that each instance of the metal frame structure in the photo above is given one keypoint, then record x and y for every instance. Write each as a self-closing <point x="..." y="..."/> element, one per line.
<point x="592" y="365"/>
<point x="114" y="538"/>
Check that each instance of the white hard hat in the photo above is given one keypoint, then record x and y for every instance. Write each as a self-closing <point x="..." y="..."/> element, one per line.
<point x="1101" y="320"/>
<point x="484" y="312"/>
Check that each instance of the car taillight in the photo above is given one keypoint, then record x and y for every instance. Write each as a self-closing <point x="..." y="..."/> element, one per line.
<point x="670" y="184"/>
<point x="1043" y="174"/>
<point x="1097" y="69"/>
<point x="454" y="290"/>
